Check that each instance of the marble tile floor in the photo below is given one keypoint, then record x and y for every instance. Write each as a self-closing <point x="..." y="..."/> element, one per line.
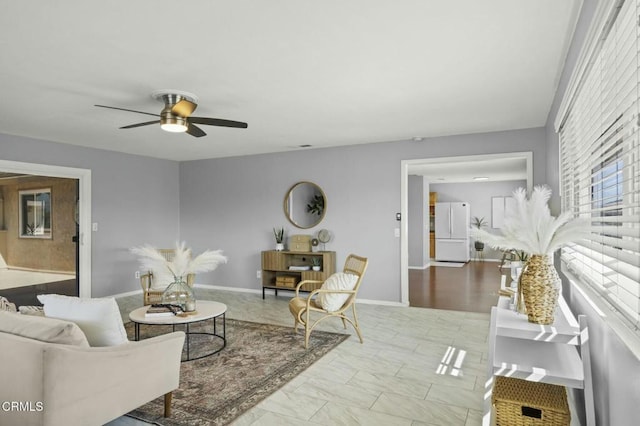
<point x="417" y="367"/>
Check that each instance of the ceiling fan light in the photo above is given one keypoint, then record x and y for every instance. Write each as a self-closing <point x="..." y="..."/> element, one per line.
<point x="173" y="124"/>
<point x="173" y="127"/>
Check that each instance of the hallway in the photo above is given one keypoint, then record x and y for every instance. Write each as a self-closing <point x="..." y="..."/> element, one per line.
<point x="471" y="288"/>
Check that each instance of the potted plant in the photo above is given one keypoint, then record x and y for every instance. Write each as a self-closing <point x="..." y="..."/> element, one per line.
<point x="315" y="263"/>
<point x="530" y="229"/>
<point x="478" y="223"/>
<point x="316" y="205"/>
<point x="279" y="234"/>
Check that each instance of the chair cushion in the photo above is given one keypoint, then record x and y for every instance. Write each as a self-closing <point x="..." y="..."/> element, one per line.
<point x="48" y="330"/>
<point x="99" y="319"/>
<point x="297" y="304"/>
<point x="339" y="281"/>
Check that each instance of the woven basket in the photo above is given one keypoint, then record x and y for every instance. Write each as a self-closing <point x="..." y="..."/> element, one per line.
<point x="523" y="403"/>
<point x="540" y="287"/>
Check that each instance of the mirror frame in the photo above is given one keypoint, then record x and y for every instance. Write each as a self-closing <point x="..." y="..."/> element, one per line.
<point x="287" y="213"/>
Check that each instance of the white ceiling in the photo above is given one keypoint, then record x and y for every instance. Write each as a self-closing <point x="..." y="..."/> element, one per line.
<point x="324" y="73"/>
<point x="494" y="169"/>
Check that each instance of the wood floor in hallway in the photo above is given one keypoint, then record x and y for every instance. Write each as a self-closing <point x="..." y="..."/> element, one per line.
<point x="470" y="288"/>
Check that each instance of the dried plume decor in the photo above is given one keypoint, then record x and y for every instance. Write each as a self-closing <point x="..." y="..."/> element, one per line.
<point x="179" y="266"/>
<point x="529" y="227"/>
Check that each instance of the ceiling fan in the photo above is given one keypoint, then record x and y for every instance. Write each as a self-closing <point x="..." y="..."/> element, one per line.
<point x="176" y="114"/>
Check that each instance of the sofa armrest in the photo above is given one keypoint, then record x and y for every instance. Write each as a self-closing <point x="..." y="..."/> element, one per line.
<point x="96" y="385"/>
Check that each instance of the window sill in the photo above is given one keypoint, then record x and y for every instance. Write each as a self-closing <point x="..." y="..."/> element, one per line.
<point x="618" y="324"/>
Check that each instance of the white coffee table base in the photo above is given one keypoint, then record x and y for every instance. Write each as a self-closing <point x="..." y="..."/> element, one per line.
<point x="206" y="310"/>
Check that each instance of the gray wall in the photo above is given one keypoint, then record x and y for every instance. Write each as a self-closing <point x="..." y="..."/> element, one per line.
<point x="233" y="203"/>
<point x="134" y="201"/>
<point x="616" y="370"/>
<point x="478" y="195"/>
<point x="418" y="221"/>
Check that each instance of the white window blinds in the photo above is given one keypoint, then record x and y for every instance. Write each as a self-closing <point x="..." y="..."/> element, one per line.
<point x="600" y="164"/>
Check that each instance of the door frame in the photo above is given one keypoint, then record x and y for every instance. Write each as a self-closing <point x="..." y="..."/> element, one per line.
<point x="84" y="205"/>
<point x="404" y="203"/>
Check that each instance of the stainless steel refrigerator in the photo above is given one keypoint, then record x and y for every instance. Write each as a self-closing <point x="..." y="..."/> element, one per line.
<point x="452" y="232"/>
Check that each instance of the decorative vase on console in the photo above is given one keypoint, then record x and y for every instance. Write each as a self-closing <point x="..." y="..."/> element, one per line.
<point x="315" y="263"/>
<point x="540" y="287"/>
<point x="516" y="267"/>
<point x="178" y="292"/>
<point x="278" y="233"/>
<point x="530" y="228"/>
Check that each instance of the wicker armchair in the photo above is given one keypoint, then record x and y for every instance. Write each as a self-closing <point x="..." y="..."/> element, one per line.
<point x="301" y="308"/>
<point x="152" y="295"/>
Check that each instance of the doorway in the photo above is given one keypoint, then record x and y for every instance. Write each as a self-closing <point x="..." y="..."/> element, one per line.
<point x="77" y="219"/>
<point x="38" y="249"/>
<point x="463" y="167"/>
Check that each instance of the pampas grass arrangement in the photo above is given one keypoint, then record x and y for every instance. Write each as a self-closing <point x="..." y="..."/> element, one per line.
<point x="182" y="264"/>
<point x="529" y="226"/>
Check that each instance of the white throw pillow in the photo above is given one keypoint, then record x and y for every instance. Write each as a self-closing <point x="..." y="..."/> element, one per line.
<point x="338" y="281"/>
<point x="161" y="280"/>
<point x="99" y="319"/>
<point x="48" y="330"/>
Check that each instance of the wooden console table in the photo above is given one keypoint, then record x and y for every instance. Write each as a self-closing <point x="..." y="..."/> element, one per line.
<point x="556" y="353"/>
<point x="279" y="264"/>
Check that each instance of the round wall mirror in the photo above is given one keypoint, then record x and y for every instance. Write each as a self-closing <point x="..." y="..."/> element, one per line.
<point x="305" y="205"/>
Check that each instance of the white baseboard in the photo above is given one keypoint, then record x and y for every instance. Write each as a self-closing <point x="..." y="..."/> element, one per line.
<point x="224" y="288"/>
<point x="382" y="303"/>
<point x="128" y="293"/>
<point x="286" y="293"/>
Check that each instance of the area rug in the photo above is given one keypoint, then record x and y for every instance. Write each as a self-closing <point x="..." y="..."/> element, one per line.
<point x="258" y="360"/>
<point x="448" y="264"/>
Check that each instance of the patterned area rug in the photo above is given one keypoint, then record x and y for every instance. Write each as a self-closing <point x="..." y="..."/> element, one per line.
<point x="258" y="360"/>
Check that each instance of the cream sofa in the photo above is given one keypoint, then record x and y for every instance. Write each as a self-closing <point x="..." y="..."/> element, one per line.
<point x="69" y="383"/>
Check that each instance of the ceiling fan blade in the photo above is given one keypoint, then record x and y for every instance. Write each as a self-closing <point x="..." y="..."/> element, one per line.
<point x="130" y="110"/>
<point x="195" y="131"/>
<point x="218" y="122"/>
<point x="184" y="108"/>
<point x="131" y="126"/>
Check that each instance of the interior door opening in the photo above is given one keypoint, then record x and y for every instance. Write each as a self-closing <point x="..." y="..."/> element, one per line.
<point x="38" y="237"/>
<point x="453" y="288"/>
<point x="67" y="228"/>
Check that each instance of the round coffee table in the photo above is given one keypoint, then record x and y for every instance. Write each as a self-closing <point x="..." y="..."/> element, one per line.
<point x="205" y="310"/>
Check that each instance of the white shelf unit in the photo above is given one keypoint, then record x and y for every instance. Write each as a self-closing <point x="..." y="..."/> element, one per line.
<point x="556" y="353"/>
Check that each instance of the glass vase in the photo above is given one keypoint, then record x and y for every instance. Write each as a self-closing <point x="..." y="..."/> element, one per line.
<point x="180" y="294"/>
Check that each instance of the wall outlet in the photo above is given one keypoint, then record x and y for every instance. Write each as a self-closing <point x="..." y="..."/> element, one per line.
<point x="258" y="274"/>
<point x="137" y="274"/>
<point x="396" y="232"/>
<point x="94" y="226"/>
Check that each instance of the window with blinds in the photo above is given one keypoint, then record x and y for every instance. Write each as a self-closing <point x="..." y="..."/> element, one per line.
<point x="600" y="164"/>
